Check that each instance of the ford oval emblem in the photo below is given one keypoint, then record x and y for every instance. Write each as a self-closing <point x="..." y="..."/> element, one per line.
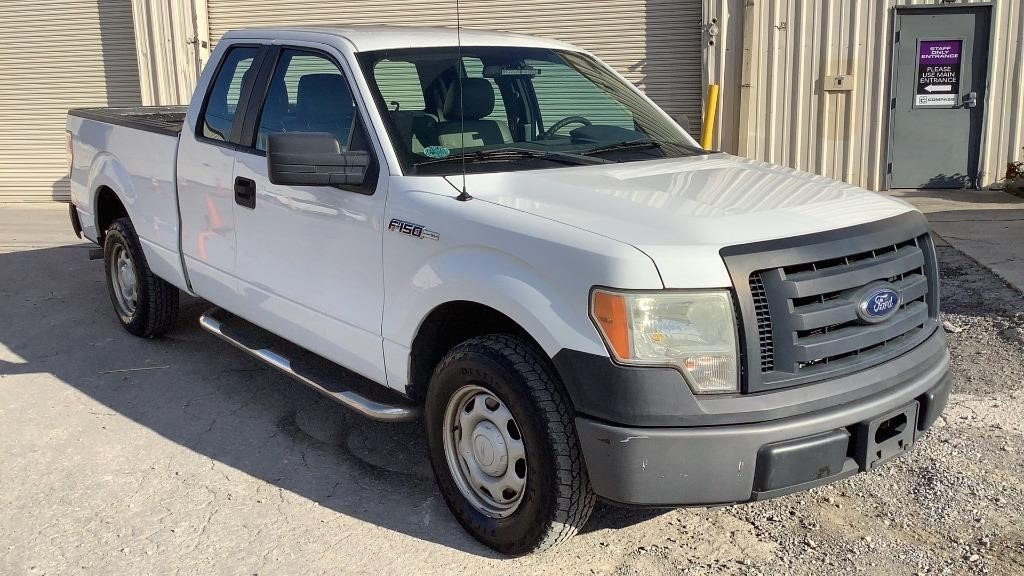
<point x="879" y="303"/>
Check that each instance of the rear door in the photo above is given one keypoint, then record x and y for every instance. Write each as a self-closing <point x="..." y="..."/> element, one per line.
<point x="309" y="258"/>
<point x="206" y="159"/>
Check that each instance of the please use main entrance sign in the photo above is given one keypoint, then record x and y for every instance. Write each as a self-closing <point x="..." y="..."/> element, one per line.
<point x="938" y="73"/>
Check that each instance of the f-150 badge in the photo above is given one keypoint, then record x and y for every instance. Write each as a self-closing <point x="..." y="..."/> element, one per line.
<point x="411" y="229"/>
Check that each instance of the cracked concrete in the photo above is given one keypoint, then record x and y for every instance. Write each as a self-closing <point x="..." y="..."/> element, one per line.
<point x="217" y="465"/>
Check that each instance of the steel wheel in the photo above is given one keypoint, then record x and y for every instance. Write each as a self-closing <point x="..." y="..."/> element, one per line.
<point x="485" y="451"/>
<point x="146" y="305"/>
<point x="124" y="279"/>
<point x="503" y="445"/>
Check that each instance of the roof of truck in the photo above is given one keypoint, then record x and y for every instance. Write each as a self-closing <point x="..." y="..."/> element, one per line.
<point x="367" y="38"/>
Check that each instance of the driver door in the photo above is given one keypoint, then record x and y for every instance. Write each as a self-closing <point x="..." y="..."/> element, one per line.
<point x="309" y="258"/>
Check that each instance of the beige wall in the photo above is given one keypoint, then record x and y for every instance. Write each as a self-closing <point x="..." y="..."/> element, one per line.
<point x="56" y="55"/>
<point x="773" y="110"/>
<point x="172" y="43"/>
<point x="654" y="43"/>
<point x="776" y="110"/>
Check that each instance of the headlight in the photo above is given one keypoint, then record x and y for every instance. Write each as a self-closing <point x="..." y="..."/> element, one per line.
<point x="694" y="332"/>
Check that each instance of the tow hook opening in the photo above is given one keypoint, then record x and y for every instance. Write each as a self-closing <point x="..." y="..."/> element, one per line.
<point x="891" y="428"/>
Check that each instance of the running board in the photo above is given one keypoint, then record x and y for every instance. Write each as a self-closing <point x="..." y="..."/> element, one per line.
<point x="330" y="379"/>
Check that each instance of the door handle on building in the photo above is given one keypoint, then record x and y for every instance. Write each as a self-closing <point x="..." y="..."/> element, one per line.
<point x="970" y="100"/>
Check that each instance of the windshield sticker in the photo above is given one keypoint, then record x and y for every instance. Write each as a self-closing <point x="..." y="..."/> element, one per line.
<point x="437" y="151"/>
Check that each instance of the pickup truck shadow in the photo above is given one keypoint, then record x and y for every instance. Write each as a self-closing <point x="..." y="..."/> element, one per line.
<point x="200" y="393"/>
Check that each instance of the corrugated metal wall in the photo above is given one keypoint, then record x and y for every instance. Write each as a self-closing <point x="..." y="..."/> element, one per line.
<point x="169" y="48"/>
<point x="778" y="112"/>
<point x="55" y="55"/>
<point x="654" y="43"/>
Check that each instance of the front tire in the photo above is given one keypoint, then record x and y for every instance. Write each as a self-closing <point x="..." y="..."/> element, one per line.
<point x="503" y="446"/>
<point x="146" y="305"/>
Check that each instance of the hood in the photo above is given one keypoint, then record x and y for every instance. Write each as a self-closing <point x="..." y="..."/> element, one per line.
<point x="681" y="212"/>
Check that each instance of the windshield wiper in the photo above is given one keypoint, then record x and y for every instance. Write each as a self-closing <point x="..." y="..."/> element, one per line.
<point x="507" y="154"/>
<point x="639" y="145"/>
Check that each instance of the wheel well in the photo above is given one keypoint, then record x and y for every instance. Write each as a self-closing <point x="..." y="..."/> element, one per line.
<point x="108" y="209"/>
<point x="447" y="326"/>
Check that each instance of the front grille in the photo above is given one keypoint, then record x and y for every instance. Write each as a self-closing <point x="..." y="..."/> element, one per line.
<point x="803" y="310"/>
<point x="764" y="322"/>
<point x="821" y="319"/>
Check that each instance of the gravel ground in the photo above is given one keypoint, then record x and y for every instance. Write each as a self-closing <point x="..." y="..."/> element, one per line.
<point x="183" y="456"/>
<point x="951" y="506"/>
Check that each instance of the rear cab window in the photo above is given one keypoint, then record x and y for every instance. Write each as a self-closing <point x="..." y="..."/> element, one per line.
<point x="221" y="105"/>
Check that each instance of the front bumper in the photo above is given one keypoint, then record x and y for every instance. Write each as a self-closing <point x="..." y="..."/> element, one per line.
<point x="721" y="464"/>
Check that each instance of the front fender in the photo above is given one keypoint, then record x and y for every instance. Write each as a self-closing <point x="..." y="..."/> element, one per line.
<point x="501" y="281"/>
<point x="536" y="271"/>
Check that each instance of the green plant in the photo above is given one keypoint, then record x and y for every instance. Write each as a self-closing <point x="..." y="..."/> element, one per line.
<point x="1014" y="170"/>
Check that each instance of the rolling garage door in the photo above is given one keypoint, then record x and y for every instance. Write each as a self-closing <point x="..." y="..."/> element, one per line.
<point x="656" y="44"/>
<point x="55" y="55"/>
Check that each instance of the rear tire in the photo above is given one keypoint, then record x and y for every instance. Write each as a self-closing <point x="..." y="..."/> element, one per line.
<point x="519" y="483"/>
<point x="146" y="305"/>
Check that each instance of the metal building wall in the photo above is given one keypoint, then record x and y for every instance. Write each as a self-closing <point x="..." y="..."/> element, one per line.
<point x="654" y="43"/>
<point x="774" y="109"/>
<point x="56" y="55"/>
<point x="171" y="49"/>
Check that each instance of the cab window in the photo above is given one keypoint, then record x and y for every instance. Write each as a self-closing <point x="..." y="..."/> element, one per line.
<point x="222" y="103"/>
<point x="309" y="93"/>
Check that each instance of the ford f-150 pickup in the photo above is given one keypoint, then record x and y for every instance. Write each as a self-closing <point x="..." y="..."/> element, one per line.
<point x="503" y="237"/>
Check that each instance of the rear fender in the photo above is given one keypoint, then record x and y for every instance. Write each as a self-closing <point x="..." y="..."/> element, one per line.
<point x="165" y="262"/>
<point x="107" y="171"/>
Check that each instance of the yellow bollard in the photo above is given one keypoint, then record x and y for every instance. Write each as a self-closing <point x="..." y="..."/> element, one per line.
<point x="708" y="130"/>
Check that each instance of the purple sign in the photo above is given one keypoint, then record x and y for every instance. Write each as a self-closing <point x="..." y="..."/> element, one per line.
<point x="938" y="72"/>
<point x="939" y="52"/>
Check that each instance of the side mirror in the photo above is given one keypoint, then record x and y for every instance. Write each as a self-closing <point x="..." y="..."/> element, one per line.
<point x="313" y="159"/>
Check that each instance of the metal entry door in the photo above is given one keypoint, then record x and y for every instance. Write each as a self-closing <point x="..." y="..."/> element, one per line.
<point x="940" y="58"/>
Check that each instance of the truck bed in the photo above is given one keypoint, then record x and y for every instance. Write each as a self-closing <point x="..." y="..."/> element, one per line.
<point x="133" y="151"/>
<point x="160" y="119"/>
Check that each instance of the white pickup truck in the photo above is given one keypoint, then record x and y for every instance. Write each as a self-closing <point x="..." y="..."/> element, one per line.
<point x="504" y="237"/>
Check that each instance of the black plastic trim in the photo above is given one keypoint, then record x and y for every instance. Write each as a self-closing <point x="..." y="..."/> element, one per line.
<point x="849" y="469"/>
<point x="772" y="253"/>
<point x="651" y="396"/>
<point x="801" y="460"/>
<point x="258" y="94"/>
<point x="744" y="259"/>
<point x="76" y="224"/>
<point x="136" y="117"/>
<point x="710" y="465"/>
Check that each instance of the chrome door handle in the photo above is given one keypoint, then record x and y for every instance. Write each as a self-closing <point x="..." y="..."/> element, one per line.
<point x="970" y="100"/>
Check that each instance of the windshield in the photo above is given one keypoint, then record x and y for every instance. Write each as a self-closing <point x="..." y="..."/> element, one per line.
<point x="513" y="109"/>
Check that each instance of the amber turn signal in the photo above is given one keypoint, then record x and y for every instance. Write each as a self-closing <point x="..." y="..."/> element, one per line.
<point x="609" y="311"/>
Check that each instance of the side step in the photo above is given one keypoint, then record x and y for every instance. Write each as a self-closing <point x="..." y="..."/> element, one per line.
<point x="332" y="380"/>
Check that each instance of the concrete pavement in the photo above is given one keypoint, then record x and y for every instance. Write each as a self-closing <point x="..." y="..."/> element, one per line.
<point x="180" y="455"/>
<point x="987" y="225"/>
